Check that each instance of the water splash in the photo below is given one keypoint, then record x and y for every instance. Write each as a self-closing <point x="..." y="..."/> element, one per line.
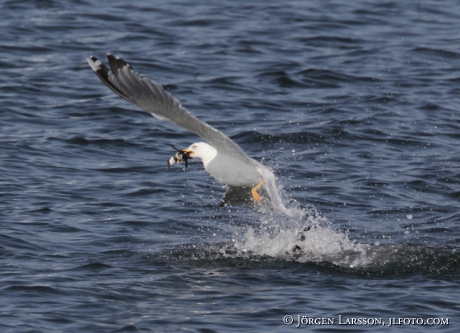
<point x="299" y="233"/>
<point x="302" y="235"/>
<point x="306" y="236"/>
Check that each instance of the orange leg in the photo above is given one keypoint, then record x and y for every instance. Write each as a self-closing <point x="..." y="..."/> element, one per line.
<point x="254" y="193"/>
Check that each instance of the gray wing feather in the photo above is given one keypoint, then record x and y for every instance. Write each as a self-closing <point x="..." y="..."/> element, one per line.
<point x="151" y="97"/>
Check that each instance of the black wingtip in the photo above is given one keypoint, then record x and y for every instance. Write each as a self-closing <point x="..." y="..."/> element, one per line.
<point x="103" y="73"/>
<point x="117" y="63"/>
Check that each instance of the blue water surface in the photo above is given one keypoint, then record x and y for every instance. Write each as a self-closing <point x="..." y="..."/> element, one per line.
<point x="354" y="105"/>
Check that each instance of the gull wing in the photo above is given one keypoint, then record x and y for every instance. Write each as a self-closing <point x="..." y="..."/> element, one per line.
<point x="151" y="97"/>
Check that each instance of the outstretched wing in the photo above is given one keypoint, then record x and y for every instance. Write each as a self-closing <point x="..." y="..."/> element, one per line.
<point x="151" y="97"/>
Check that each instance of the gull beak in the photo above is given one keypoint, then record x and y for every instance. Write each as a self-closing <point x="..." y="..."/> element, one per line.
<point x="185" y="155"/>
<point x="188" y="152"/>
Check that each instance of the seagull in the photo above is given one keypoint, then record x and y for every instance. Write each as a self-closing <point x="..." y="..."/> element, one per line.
<point x="246" y="179"/>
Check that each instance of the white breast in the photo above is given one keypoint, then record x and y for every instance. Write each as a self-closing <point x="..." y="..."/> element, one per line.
<point x="229" y="171"/>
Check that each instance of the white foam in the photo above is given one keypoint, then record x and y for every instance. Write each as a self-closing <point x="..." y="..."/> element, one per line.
<point x="276" y="235"/>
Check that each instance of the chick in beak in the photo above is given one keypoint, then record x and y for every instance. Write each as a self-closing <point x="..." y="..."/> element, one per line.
<point x="181" y="155"/>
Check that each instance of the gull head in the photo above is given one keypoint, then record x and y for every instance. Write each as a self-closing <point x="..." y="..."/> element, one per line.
<point x="205" y="152"/>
